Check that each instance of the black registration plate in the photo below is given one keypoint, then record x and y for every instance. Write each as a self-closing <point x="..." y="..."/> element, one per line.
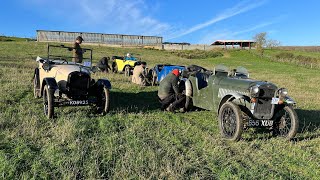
<point x="77" y="102"/>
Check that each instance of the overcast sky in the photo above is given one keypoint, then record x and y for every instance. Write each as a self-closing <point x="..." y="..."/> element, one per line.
<point x="197" y="22"/>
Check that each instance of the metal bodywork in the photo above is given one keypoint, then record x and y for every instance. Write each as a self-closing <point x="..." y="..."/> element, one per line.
<point x="71" y="82"/>
<point x="120" y="63"/>
<point x="162" y="70"/>
<point x="211" y="90"/>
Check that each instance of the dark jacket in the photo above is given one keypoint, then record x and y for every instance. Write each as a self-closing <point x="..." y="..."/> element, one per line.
<point x="103" y="64"/>
<point x="77" y="53"/>
<point x="168" y="86"/>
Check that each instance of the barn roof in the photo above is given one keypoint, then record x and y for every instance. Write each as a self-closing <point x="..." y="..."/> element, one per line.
<point x="230" y="42"/>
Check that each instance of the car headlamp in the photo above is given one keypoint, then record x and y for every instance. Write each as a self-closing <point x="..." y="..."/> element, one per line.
<point x="46" y="66"/>
<point x="254" y="90"/>
<point x="283" y="92"/>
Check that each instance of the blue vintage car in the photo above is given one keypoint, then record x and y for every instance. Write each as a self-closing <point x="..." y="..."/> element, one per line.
<point x="160" y="71"/>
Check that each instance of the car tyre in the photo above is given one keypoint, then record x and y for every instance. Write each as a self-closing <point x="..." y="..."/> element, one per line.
<point x="230" y="121"/>
<point x="127" y="71"/>
<point x="104" y="103"/>
<point x="48" y="101"/>
<point x="286" y="123"/>
<point x="36" y="86"/>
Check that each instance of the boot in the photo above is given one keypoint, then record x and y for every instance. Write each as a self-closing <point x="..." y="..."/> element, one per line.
<point x="170" y="108"/>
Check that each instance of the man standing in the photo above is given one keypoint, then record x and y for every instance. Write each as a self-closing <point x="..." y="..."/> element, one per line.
<point x="77" y="51"/>
<point x="140" y="75"/>
<point x="168" y="93"/>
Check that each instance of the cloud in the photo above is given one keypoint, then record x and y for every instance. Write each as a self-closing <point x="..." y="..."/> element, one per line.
<point x="241" y="7"/>
<point x="124" y="16"/>
<point x="107" y="16"/>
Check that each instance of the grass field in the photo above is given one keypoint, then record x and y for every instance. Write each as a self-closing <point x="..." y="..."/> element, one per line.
<point x="138" y="141"/>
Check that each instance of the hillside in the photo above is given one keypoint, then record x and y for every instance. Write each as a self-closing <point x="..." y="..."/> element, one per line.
<point x="10" y="38"/>
<point x="136" y="139"/>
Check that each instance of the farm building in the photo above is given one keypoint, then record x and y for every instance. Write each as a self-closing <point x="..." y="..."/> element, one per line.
<point x="233" y="43"/>
<point x="99" y="38"/>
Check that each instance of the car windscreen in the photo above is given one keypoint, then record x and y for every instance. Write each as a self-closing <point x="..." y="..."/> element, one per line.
<point x="65" y="54"/>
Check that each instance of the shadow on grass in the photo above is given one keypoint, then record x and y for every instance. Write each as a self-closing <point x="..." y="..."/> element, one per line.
<point x="134" y="102"/>
<point x="309" y="122"/>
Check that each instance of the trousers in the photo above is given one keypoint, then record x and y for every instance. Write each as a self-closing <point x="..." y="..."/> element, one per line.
<point x="177" y="101"/>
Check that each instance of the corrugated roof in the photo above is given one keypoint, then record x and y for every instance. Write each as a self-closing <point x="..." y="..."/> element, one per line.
<point x="218" y="42"/>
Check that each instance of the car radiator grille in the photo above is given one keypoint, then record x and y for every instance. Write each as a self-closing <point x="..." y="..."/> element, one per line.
<point x="264" y="108"/>
<point x="78" y="84"/>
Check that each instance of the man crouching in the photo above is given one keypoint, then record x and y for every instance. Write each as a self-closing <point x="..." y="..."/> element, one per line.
<point x="169" y="96"/>
<point x="139" y="75"/>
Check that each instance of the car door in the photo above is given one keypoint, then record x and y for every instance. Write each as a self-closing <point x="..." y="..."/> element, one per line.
<point x="202" y="91"/>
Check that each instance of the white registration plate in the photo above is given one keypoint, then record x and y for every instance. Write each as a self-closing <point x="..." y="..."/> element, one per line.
<point x="78" y="102"/>
<point x="275" y="101"/>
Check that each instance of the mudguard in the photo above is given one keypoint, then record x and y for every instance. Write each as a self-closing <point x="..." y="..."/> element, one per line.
<point x="104" y="82"/>
<point x="36" y="71"/>
<point x="289" y="100"/>
<point x="188" y="88"/>
<point x="235" y="95"/>
<point x="240" y="99"/>
<point x="51" y="82"/>
<point x="36" y="75"/>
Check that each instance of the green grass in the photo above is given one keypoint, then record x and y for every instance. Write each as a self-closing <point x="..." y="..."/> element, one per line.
<point x="17" y="39"/>
<point x="300" y="58"/>
<point x="137" y="140"/>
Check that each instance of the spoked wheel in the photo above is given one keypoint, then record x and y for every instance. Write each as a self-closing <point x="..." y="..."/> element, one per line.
<point x="230" y="121"/>
<point x="48" y="102"/>
<point x="127" y="71"/>
<point x="103" y="104"/>
<point x="36" y="87"/>
<point x="286" y="123"/>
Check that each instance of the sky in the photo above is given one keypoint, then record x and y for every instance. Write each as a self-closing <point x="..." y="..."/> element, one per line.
<point x="198" y="22"/>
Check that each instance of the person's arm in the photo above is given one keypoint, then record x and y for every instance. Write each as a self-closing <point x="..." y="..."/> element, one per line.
<point x="175" y="85"/>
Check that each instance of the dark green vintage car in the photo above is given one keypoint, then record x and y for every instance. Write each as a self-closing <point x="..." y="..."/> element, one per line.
<point x="241" y="102"/>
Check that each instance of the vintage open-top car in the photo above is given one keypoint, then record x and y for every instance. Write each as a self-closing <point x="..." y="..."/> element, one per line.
<point x="64" y="83"/>
<point x="124" y="64"/>
<point x="241" y="102"/>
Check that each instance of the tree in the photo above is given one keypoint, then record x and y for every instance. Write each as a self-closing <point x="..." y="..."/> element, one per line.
<point x="271" y="43"/>
<point x="261" y="40"/>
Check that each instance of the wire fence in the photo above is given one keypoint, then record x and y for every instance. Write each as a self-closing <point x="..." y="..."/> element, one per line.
<point x="99" y="38"/>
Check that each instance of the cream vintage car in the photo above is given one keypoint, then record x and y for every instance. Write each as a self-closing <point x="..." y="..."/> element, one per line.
<point x="64" y="83"/>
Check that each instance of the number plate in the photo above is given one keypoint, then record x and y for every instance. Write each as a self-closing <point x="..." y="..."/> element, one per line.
<point x="275" y="101"/>
<point x="78" y="102"/>
<point x="260" y="123"/>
